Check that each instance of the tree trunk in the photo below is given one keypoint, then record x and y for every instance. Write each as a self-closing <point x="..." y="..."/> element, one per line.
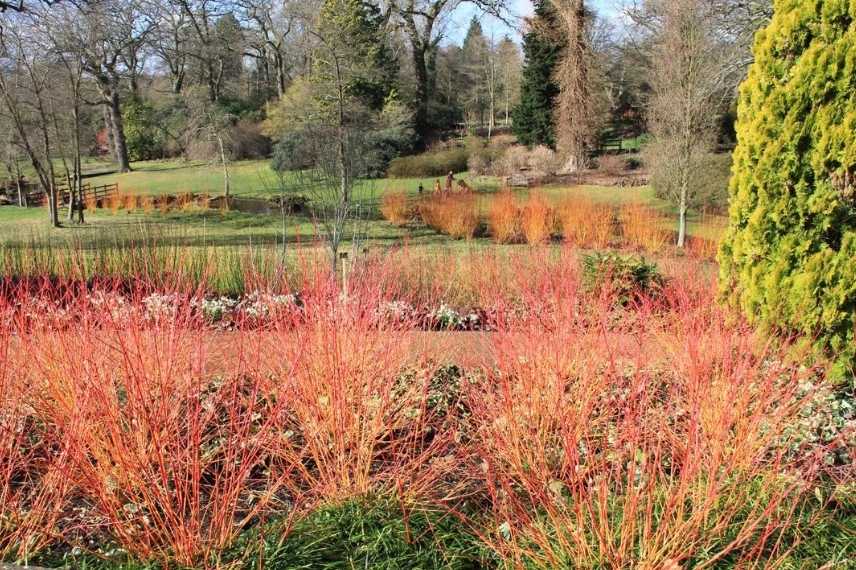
<point x="22" y="194"/>
<point x="215" y="80"/>
<point x="420" y="68"/>
<point x="114" y="108"/>
<point x="108" y="128"/>
<point x="53" y="204"/>
<point x="178" y="82"/>
<point x="682" y="217"/>
<point x="279" y="62"/>
<point x="225" y="164"/>
<point x="77" y="189"/>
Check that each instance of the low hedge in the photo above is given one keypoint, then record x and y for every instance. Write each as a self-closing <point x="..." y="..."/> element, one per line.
<point x="436" y="163"/>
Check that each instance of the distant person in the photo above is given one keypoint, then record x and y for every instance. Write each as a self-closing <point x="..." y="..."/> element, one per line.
<point x="464" y="187"/>
<point x="437" y="188"/>
<point x="421" y="189"/>
<point x="450" y="180"/>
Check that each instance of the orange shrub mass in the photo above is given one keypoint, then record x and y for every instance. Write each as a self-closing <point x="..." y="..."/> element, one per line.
<point x="129" y="201"/>
<point x="538" y="219"/>
<point x="396" y="208"/>
<point x="642" y="227"/>
<point x="456" y="215"/>
<point x="147" y="203"/>
<point x="504" y="217"/>
<point x="586" y="223"/>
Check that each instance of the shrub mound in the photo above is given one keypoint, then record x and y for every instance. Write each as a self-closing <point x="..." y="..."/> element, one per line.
<point x="436" y="163"/>
<point x="622" y="277"/>
<point x="788" y="258"/>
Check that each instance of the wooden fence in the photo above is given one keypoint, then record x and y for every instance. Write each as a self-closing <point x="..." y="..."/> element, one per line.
<point x="90" y="194"/>
<point x="35" y="195"/>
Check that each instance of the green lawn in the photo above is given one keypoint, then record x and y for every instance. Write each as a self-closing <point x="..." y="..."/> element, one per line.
<point x="249" y="178"/>
<point x="255" y="179"/>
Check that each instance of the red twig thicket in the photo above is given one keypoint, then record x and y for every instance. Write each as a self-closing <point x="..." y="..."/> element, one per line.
<point x="600" y="434"/>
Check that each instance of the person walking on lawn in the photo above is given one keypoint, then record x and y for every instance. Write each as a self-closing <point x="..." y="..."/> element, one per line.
<point x="450" y="180"/>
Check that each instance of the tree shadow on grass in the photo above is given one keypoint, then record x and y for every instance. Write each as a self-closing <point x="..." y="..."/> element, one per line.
<point x="208" y="228"/>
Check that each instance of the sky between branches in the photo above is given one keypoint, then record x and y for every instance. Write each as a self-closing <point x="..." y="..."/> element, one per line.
<point x="519" y="9"/>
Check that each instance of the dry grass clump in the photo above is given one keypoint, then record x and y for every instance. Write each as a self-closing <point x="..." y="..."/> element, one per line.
<point x="586" y="223"/>
<point x="396" y="208"/>
<point x="147" y="203"/>
<point x="184" y="201"/>
<point x="162" y="204"/>
<point x="129" y="201"/>
<point x="115" y="202"/>
<point x="504" y="217"/>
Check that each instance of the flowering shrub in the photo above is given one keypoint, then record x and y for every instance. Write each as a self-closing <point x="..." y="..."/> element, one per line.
<point x="445" y="317"/>
<point x="827" y="423"/>
<point x="214" y="310"/>
<point x="395" y="311"/>
<point x="259" y="305"/>
<point x="160" y="306"/>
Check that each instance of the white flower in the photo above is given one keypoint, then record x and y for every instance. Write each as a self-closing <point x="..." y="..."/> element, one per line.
<point x="159" y="306"/>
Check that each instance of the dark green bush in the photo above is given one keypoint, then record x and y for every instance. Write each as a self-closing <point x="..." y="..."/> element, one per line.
<point x="625" y="277"/>
<point x="291" y="153"/>
<point x="144" y="134"/>
<point x="436" y="163"/>
<point x="787" y="260"/>
<point x="372" y="533"/>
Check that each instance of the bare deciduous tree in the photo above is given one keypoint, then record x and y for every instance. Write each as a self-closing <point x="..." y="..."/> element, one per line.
<point x="24" y="86"/>
<point x="422" y="21"/>
<point x="691" y="81"/>
<point x="510" y="64"/>
<point x="212" y="124"/>
<point x="107" y="36"/>
<point x="270" y="25"/>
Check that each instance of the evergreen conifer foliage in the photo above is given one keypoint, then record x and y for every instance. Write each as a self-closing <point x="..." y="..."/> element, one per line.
<point x="542" y="48"/>
<point x="355" y="46"/>
<point x="789" y="257"/>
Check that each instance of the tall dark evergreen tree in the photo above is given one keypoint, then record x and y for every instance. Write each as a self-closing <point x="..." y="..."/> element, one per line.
<point x="542" y="48"/>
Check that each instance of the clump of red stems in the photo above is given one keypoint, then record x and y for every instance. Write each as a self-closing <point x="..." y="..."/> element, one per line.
<point x="596" y="434"/>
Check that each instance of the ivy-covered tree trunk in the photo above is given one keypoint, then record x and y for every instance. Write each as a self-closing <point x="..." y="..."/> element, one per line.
<point x="789" y="258"/>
